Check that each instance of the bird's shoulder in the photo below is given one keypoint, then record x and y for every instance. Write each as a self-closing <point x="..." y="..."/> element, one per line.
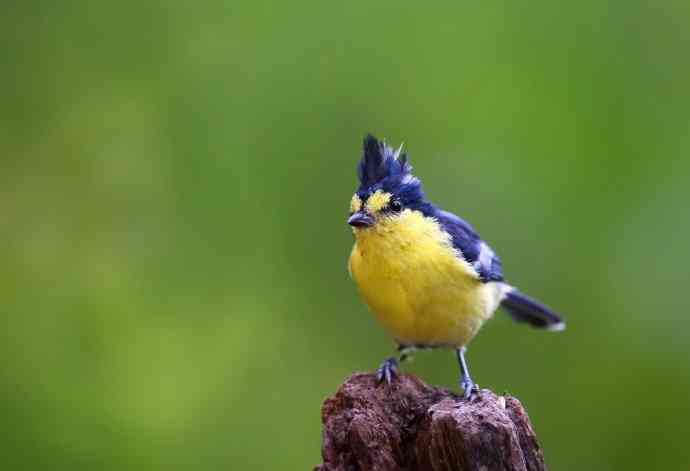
<point x="470" y="246"/>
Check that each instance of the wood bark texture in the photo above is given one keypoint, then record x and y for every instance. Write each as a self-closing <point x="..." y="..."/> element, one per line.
<point x="409" y="426"/>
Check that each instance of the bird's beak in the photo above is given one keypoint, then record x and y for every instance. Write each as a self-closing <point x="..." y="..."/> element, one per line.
<point x="360" y="219"/>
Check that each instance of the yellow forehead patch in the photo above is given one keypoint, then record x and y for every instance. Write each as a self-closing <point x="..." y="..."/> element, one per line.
<point x="355" y="204"/>
<point x="378" y="201"/>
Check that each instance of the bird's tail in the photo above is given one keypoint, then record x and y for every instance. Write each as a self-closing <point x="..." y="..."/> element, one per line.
<point x="522" y="308"/>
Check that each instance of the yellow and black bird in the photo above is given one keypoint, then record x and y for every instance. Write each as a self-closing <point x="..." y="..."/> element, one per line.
<point x="424" y="272"/>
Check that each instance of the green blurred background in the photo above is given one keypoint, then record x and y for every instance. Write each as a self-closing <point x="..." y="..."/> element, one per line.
<point x="174" y="185"/>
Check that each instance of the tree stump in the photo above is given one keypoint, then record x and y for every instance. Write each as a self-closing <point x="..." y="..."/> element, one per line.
<point x="409" y="426"/>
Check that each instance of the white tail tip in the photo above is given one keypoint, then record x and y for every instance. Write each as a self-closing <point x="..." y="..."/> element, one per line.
<point x="556" y="327"/>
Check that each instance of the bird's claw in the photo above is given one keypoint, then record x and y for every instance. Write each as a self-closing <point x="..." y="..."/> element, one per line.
<point x="388" y="370"/>
<point x="468" y="387"/>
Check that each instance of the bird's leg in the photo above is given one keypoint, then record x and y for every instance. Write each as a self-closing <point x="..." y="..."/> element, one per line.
<point x="389" y="368"/>
<point x="466" y="382"/>
<point x="405" y="352"/>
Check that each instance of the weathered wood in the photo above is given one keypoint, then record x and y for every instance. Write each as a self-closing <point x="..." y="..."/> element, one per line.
<point x="409" y="426"/>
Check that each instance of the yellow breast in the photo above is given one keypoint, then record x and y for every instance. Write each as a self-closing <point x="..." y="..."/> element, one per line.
<point x="413" y="280"/>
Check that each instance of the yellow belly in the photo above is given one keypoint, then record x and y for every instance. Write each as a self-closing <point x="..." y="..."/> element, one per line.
<point x="416" y="285"/>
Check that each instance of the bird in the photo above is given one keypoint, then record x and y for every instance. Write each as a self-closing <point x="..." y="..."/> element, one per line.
<point x="425" y="273"/>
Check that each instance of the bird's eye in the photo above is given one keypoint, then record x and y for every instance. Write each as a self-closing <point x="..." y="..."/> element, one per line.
<point x="396" y="206"/>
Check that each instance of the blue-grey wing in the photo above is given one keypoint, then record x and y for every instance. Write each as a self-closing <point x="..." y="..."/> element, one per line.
<point x="473" y="249"/>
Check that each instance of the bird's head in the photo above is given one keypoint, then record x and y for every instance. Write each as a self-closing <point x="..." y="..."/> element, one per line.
<point x="387" y="188"/>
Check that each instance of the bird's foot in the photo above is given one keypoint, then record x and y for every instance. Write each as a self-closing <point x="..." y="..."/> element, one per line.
<point x="388" y="370"/>
<point x="468" y="387"/>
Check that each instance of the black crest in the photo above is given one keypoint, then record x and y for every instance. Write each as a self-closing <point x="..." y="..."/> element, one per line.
<point x="380" y="162"/>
